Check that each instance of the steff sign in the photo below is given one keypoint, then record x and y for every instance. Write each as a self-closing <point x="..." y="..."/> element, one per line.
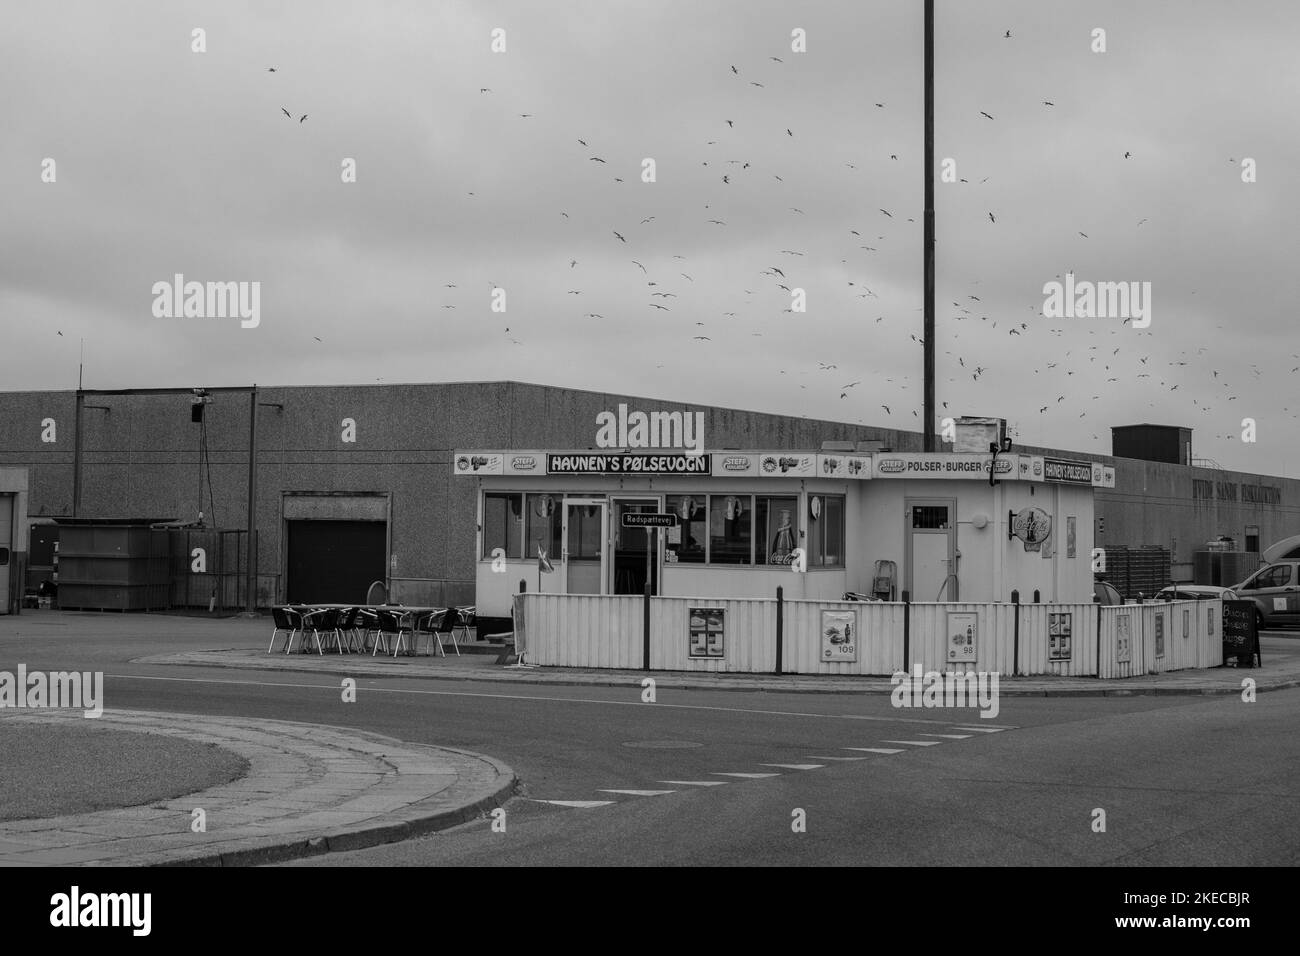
<point x="1033" y="526"/>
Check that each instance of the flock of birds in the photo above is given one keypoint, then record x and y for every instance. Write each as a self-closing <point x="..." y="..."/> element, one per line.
<point x="1085" y="373"/>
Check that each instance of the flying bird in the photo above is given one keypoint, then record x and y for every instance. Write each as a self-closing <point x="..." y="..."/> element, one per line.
<point x="637" y="264"/>
<point x="656" y="305"/>
<point x="1127" y="155"/>
<point x="270" y="69"/>
<point x="752" y="83"/>
<point x="788" y="133"/>
<point x="1048" y="103"/>
<point x="1008" y="35"/>
<point x="302" y="117"/>
<point x="619" y="238"/>
<point x="982" y="113"/>
<point x="1084" y="234"/>
<point x="991" y="219"/>
<point x="886" y="408"/>
<point x="734" y="70"/>
<point x="595" y="159"/>
<point x="887" y="213"/>
<point x="703" y="338"/>
<point x="484" y="89"/>
<point x="286" y="112"/>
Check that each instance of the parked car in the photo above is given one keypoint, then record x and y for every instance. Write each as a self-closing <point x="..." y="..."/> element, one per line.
<point x="1103" y="592"/>
<point x="1275" y="589"/>
<point x="1195" y="592"/>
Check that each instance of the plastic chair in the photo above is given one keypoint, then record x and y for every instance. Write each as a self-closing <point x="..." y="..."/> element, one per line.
<point x="288" y="620"/>
<point x="321" y="621"/>
<point x="430" y="624"/>
<point x="466" y="617"/>
<point x="391" y="624"/>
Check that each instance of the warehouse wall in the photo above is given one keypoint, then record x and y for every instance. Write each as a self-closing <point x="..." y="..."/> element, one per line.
<point x="140" y="459"/>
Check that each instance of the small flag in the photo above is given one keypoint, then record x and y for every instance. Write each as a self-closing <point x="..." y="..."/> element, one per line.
<point x="543" y="562"/>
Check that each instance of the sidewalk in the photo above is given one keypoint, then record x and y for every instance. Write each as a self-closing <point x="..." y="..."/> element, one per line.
<point x="310" y="789"/>
<point x="1281" y="670"/>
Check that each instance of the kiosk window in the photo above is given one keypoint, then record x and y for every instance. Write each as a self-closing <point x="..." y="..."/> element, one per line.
<point x="930" y="516"/>
<point x="545" y="516"/>
<point x="731" y="529"/>
<point x="691" y="512"/>
<point x="825" y="531"/>
<point x="503" y="524"/>
<point x="777" y="528"/>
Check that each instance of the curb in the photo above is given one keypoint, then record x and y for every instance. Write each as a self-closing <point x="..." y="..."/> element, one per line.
<point x="338" y="841"/>
<point x="665" y="679"/>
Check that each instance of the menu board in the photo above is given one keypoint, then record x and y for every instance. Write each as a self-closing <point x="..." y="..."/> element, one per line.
<point x="1240" y="639"/>
<point x="706" y="632"/>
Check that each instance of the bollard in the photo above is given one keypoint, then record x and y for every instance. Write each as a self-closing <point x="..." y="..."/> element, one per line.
<point x="907" y="630"/>
<point x="1015" y="646"/>
<point x="780" y="626"/>
<point x="645" y="629"/>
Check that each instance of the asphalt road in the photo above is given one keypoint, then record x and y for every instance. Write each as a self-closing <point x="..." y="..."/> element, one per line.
<point x="1182" y="780"/>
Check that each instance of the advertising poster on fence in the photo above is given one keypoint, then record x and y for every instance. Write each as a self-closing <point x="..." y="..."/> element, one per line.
<point x="1060" y="629"/>
<point x="963" y="636"/>
<point x="1122" y="650"/>
<point x="839" y="635"/>
<point x="1160" y="636"/>
<point x="706" y="632"/>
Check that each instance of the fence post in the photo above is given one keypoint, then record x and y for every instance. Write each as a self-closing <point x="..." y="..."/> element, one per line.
<point x="645" y="629"/>
<point x="907" y="631"/>
<point x="780" y="626"/>
<point x="1099" y="606"/>
<point x="1015" y="646"/>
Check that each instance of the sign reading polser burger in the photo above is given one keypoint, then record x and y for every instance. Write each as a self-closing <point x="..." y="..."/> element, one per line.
<point x="920" y="465"/>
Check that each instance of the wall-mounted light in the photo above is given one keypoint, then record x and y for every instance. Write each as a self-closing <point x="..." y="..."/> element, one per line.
<point x="980" y="521"/>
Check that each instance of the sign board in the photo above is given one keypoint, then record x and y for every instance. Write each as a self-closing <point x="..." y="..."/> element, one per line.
<point x="1066" y="471"/>
<point x="784" y="465"/>
<point x="839" y="635"/>
<point x="1123" y="649"/>
<point x="1060" y="634"/>
<point x="631" y="464"/>
<point x="1160" y="635"/>
<point x="963" y="636"/>
<point x="478" y="463"/>
<point x="706" y="633"/>
<point x="1240" y="638"/>
<point x="1033" y="526"/>
<point x="633" y="519"/>
<point x="844" y="466"/>
<point x="938" y="465"/>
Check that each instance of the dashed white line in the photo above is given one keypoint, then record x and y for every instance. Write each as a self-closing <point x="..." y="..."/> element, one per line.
<point x="820" y="757"/>
<point x="639" y="793"/>
<point x="794" y="766"/>
<point x="915" y="743"/>
<point x="746" y="776"/>
<point x="985" y="730"/>
<point x="578" y="804"/>
<point x="875" y="750"/>
<point x="697" y="783"/>
<point x="948" y="736"/>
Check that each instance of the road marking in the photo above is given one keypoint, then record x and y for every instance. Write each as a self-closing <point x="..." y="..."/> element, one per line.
<point x="915" y="743"/>
<point x="874" y="750"/>
<point x="819" y="757"/>
<point x="985" y="730"/>
<point x="794" y="766"/>
<point x="746" y="776"/>
<point x="333" y="688"/>
<point x="639" y="793"/>
<point x="697" y="783"/>
<point x="948" y="736"/>
<point x="577" y="804"/>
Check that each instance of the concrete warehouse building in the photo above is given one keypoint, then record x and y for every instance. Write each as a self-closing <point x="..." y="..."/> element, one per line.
<point x="352" y="484"/>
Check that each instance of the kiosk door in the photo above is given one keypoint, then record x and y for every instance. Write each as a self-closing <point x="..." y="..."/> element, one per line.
<point x="930" y="545"/>
<point x="585" y="532"/>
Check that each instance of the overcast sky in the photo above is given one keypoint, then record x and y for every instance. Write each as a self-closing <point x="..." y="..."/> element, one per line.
<point x="170" y="161"/>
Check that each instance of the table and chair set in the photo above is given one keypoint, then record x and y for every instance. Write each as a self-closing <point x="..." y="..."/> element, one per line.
<point x="357" y="628"/>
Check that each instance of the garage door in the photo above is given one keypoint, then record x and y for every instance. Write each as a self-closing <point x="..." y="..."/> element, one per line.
<point x="335" y="561"/>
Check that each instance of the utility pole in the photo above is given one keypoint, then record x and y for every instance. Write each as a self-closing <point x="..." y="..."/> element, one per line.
<point x="928" y="331"/>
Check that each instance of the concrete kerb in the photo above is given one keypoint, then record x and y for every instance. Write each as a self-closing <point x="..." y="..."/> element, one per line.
<point x="676" y="680"/>
<point x="447" y="786"/>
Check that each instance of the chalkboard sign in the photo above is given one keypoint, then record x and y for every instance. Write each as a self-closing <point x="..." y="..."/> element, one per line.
<point x="1240" y="639"/>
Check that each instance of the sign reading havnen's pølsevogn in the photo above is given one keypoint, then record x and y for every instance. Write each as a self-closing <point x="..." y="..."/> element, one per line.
<point x="632" y="464"/>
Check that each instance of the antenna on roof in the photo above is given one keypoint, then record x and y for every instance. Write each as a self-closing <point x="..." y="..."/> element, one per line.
<point x="81" y="363"/>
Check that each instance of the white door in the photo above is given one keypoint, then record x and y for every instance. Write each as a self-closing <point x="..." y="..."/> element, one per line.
<point x="930" y="549"/>
<point x="585" y="533"/>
